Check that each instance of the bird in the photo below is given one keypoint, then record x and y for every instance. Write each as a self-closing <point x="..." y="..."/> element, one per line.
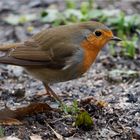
<point x="59" y="54"/>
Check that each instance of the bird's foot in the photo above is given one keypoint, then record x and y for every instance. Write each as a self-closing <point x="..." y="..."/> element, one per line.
<point x="50" y="96"/>
<point x="40" y="94"/>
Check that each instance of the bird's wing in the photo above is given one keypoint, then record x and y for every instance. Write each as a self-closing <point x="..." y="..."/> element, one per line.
<point x="30" y="53"/>
<point x="51" y="48"/>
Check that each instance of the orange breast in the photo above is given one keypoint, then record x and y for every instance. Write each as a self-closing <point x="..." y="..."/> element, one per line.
<point x="89" y="55"/>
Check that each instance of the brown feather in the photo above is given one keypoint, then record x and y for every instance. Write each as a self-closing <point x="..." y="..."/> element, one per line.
<point x="50" y="48"/>
<point x="47" y="48"/>
<point x="7" y="47"/>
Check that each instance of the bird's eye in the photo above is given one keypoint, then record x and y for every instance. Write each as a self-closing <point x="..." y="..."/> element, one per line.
<point x="98" y="33"/>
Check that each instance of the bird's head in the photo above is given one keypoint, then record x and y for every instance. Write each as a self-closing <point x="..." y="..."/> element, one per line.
<point x="97" y="35"/>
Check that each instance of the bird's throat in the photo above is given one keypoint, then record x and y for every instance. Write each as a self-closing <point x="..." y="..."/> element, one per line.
<point x="89" y="57"/>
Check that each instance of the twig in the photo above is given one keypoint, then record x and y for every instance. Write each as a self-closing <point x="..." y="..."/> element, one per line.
<point x="59" y="137"/>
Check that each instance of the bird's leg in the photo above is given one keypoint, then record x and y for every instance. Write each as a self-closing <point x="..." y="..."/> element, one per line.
<point x="52" y="93"/>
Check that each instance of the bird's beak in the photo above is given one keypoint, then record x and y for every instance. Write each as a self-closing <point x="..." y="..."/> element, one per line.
<point x="115" y="38"/>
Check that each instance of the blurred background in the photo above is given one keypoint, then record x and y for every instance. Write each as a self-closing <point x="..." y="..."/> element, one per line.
<point x="114" y="78"/>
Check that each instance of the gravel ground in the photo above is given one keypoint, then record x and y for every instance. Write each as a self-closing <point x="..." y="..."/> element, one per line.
<point x="119" y="120"/>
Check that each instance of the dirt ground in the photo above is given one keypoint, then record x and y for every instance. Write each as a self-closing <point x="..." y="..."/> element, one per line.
<point x="120" y="120"/>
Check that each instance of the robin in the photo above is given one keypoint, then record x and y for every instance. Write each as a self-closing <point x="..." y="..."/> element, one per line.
<point x="61" y="53"/>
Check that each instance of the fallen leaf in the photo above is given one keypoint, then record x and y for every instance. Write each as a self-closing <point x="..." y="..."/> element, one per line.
<point x="10" y="117"/>
<point x="10" y="121"/>
<point x="33" y="108"/>
<point x="93" y="101"/>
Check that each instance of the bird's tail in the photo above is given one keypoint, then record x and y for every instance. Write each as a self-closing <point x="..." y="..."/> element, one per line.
<point x="5" y="50"/>
<point x="7" y="47"/>
<point x="7" y="58"/>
